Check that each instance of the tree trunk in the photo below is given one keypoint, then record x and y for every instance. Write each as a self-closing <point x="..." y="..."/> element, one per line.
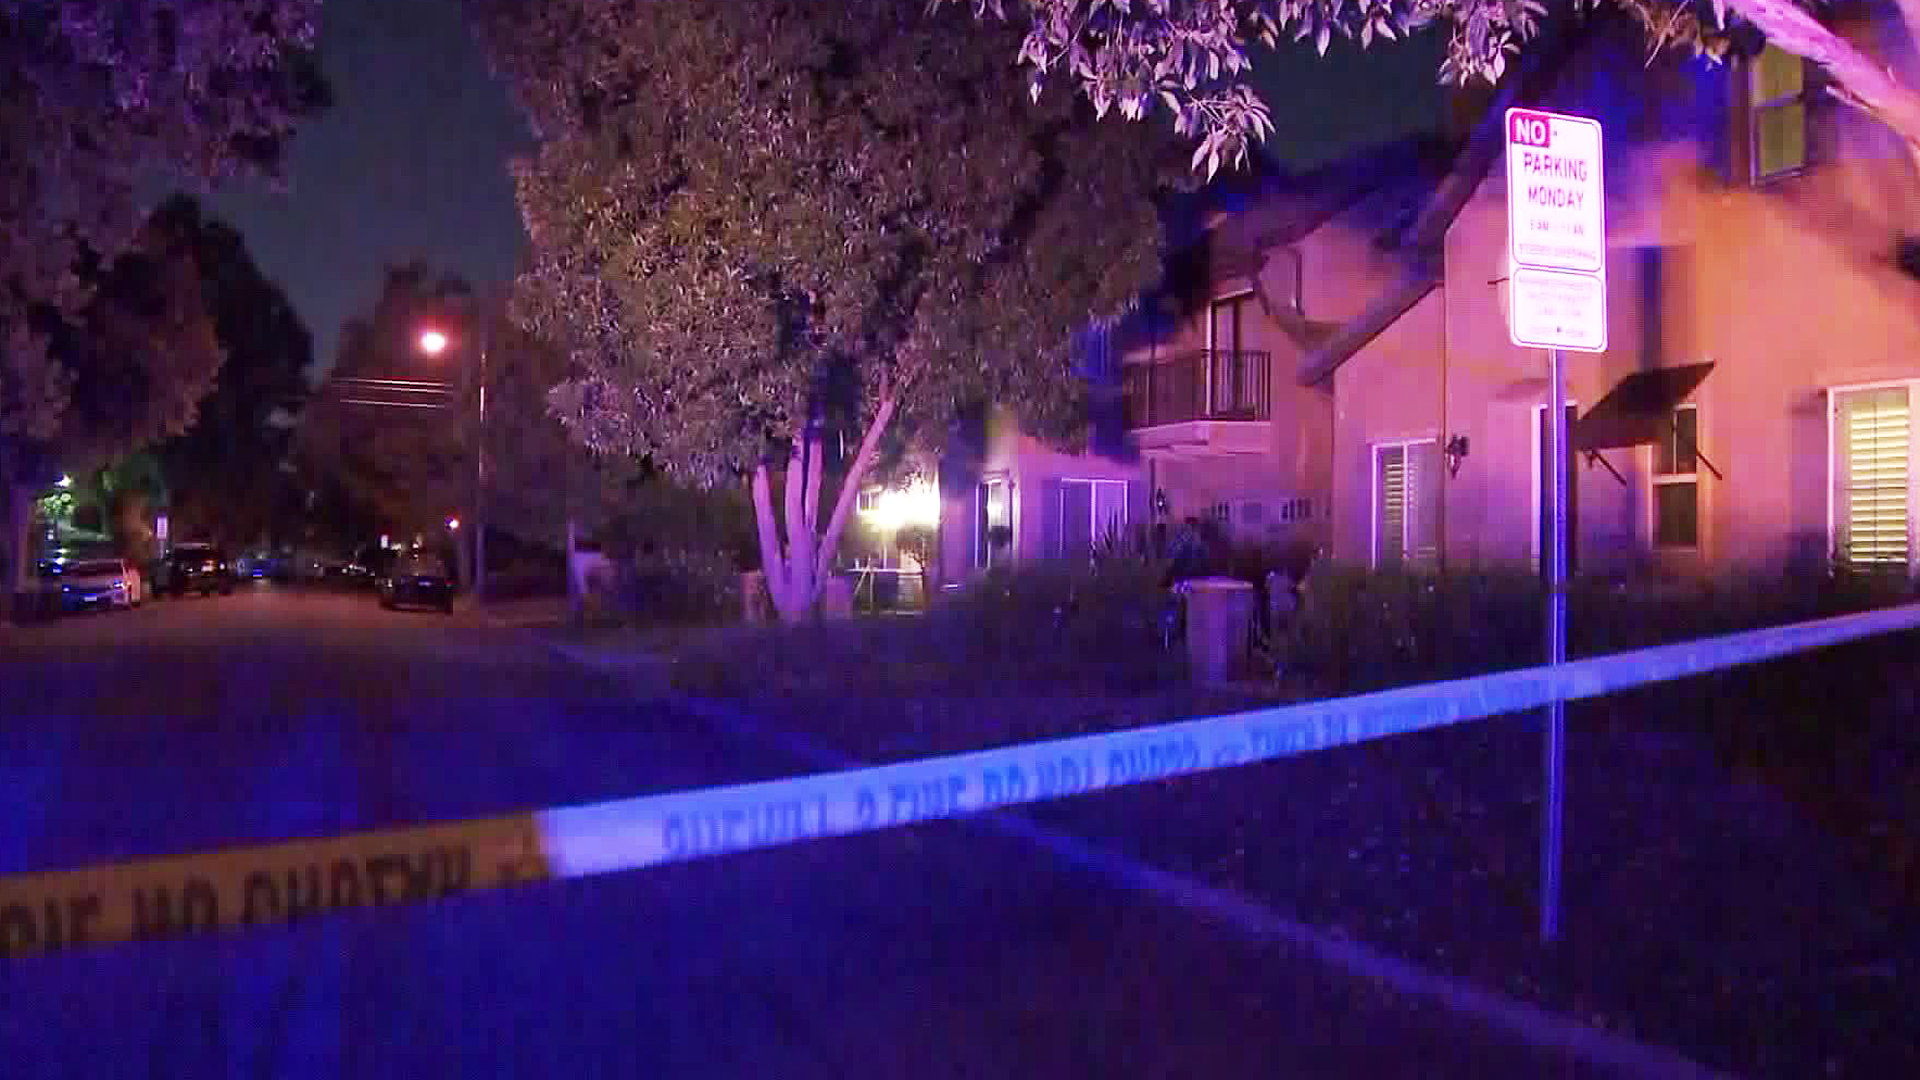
<point x="798" y="569"/>
<point x="17" y="567"/>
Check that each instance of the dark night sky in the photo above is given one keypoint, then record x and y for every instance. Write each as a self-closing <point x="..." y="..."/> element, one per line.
<point x="409" y="163"/>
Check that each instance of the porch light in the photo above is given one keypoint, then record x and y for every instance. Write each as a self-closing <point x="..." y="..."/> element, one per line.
<point x="898" y="508"/>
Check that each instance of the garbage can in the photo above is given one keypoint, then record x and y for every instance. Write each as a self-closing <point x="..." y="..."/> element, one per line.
<point x="754" y="599"/>
<point x="1219" y="616"/>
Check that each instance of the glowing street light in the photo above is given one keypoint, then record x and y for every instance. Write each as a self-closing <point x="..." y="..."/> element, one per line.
<point x="65" y="482"/>
<point x="433" y="342"/>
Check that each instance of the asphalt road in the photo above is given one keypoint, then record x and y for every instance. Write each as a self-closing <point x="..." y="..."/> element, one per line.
<point x="938" y="951"/>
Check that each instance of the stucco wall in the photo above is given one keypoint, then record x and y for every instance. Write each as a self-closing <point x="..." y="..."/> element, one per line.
<point x="1032" y="468"/>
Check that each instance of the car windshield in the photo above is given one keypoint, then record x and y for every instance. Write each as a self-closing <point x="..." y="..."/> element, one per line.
<point x="422" y="566"/>
<point x="95" y="567"/>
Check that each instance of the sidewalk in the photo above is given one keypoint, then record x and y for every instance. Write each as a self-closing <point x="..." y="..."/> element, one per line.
<point x="542" y="611"/>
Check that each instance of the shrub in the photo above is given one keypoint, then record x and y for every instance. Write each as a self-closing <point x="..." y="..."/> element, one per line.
<point x="678" y="586"/>
<point x="1360" y="630"/>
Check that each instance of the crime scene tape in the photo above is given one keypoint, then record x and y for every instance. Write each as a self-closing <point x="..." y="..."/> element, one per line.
<point x="285" y="882"/>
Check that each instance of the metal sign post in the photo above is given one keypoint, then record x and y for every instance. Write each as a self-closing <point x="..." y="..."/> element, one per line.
<point x="1557" y="300"/>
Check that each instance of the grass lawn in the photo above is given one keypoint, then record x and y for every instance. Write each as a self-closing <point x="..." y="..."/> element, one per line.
<point x="1734" y="883"/>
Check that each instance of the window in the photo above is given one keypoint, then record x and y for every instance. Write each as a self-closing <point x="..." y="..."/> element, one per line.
<point x="1090" y="510"/>
<point x="993" y="523"/>
<point x="1872" y="469"/>
<point x="1296" y="510"/>
<point x="1406" y="503"/>
<point x="1676" y="482"/>
<point x="1225" y="322"/>
<point x="869" y="500"/>
<point x="1777" y="107"/>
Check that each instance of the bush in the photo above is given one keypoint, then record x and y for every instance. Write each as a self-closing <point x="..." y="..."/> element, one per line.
<point x="1362" y="630"/>
<point x="677" y="586"/>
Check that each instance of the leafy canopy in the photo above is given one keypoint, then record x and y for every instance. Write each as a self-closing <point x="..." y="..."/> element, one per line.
<point x="1191" y="57"/>
<point x="92" y="96"/>
<point x="751" y="219"/>
<point x="416" y="466"/>
<point x="226" y="473"/>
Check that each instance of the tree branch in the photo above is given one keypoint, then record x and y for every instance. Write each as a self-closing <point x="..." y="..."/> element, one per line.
<point x="771" y="563"/>
<point x="814" y="462"/>
<point x="1862" y="82"/>
<point x="791" y="488"/>
<point x="850" y="487"/>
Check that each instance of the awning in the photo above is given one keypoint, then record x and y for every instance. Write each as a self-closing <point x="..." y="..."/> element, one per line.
<point x="1639" y="409"/>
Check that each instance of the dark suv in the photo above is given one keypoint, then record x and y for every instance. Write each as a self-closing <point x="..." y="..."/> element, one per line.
<point x="200" y="568"/>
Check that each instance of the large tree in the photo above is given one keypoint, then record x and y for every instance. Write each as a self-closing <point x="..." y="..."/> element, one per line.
<point x="757" y="226"/>
<point x="395" y="428"/>
<point x="1191" y="57"/>
<point x="226" y="474"/>
<point x="142" y="352"/>
<point x="93" y="96"/>
<point x="390" y="423"/>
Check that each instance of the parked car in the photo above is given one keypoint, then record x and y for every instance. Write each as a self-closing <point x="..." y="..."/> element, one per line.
<point x="200" y="568"/>
<point x="417" y="581"/>
<point x="92" y="583"/>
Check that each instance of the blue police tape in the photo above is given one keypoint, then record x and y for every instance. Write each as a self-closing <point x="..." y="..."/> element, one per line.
<point x="631" y="833"/>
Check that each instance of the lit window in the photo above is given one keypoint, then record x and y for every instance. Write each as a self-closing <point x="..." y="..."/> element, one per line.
<point x="1777" y="88"/>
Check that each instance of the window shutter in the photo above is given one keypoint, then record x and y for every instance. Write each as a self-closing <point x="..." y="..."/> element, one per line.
<point x="1872" y="429"/>
<point x="1391" y="514"/>
<point x="1423" y="502"/>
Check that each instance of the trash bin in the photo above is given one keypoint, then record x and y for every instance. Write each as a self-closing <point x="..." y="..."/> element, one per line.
<point x="1219" y="617"/>
<point x="754" y="598"/>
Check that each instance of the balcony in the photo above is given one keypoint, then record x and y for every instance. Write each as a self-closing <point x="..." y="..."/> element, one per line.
<point x="1201" y="404"/>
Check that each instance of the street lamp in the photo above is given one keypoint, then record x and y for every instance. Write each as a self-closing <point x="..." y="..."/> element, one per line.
<point x="434" y="342"/>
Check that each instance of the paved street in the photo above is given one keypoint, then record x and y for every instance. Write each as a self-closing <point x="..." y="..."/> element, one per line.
<point x="939" y="951"/>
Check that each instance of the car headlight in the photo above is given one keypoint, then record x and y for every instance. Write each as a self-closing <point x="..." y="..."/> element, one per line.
<point x="119" y="584"/>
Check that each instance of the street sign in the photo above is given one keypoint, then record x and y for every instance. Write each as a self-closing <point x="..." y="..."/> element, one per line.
<point x="1556" y="300"/>
<point x="1556" y="219"/>
<point x="1556" y="232"/>
<point x="1553" y="309"/>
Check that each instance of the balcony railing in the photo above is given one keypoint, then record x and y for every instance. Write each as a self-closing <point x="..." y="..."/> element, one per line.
<point x="1207" y="385"/>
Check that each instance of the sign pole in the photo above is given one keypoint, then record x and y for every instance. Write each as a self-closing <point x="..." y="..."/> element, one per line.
<point x="1556" y="300"/>
<point x="1556" y="726"/>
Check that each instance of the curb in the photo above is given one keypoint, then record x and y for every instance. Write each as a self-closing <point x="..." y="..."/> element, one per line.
<point x="1530" y="1024"/>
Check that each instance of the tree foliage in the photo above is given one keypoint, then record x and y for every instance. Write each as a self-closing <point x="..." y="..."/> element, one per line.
<point x="1191" y="57"/>
<point x="754" y="225"/>
<point x="227" y="474"/>
<point x="93" y="96"/>
<point x="102" y="93"/>
<point x="412" y="459"/>
<point x="411" y="456"/>
<point x="141" y="353"/>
